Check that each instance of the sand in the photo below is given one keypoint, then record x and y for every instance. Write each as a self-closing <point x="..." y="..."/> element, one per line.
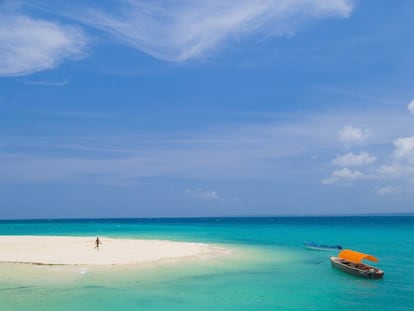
<point x="54" y="250"/>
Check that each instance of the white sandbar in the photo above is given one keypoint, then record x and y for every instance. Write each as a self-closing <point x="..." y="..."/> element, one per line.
<point x="57" y="250"/>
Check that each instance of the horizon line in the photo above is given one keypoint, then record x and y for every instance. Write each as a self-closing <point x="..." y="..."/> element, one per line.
<point x="401" y="214"/>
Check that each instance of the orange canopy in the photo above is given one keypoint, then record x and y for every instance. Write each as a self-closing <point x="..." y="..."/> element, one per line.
<point x="355" y="257"/>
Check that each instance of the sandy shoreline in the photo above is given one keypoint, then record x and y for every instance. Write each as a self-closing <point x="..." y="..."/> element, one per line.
<point x="57" y="250"/>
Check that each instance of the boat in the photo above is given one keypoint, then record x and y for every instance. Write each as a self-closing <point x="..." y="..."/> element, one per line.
<point x="350" y="261"/>
<point x="322" y="247"/>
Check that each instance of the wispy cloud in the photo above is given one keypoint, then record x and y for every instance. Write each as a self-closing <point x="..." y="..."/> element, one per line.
<point x="244" y="152"/>
<point x="410" y="107"/>
<point x="180" y="30"/>
<point x="350" y="136"/>
<point x="10" y="5"/>
<point x="397" y="170"/>
<point x="29" y="45"/>
<point x="47" y="83"/>
<point x="209" y="195"/>
<point x="264" y="151"/>
<point x="344" y="176"/>
<point x="352" y="159"/>
<point x="388" y="190"/>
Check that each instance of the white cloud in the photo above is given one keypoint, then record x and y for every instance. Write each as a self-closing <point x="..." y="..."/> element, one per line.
<point x="203" y="194"/>
<point x="396" y="170"/>
<point x="347" y="173"/>
<point x="351" y="159"/>
<point x="47" y="83"/>
<point x="404" y="149"/>
<point x="209" y="195"/>
<point x="350" y="136"/>
<point x="387" y="190"/>
<point x="403" y="161"/>
<point x="29" y="45"/>
<point x="179" y="30"/>
<point x="344" y="175"/>
<point x="262" y="151"/>
<point x="410" y="107"/>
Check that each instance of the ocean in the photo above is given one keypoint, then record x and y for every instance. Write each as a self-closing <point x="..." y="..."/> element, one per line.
<point x="268" y="268"/>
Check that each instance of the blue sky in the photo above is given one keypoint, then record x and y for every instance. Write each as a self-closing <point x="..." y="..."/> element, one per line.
<point x="206" y="108"/>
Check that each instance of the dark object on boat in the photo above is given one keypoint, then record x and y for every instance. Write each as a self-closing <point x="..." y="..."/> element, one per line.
<point x="322" y="247"/>
<point x="350" y="262"/>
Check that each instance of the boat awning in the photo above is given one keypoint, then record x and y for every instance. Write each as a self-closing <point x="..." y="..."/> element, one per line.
<point x="355" y="257"/>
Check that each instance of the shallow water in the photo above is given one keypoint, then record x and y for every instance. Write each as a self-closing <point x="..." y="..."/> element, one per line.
<point x="268" y="267"/>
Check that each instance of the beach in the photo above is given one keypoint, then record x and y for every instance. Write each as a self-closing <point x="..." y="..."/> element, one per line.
<point x="64" y="250"/>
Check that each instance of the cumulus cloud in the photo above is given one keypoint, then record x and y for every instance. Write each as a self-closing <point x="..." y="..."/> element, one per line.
<point x="344" y="175"/>
<point x="410" y="107"/>
<point x="350" y="136"/>
<point x="404" y="149"/>
<point x="351" y="159"/>
<point x="180" y="30"/>
<point x="29" y="45"/>
<point x="403" y="160"/>
<point x="250" y="151"/>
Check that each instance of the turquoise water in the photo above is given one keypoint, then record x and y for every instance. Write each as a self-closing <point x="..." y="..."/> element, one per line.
<point x="268" y="269"/>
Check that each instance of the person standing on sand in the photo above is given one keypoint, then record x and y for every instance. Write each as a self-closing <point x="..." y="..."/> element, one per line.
<point x="97" y="243"/>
